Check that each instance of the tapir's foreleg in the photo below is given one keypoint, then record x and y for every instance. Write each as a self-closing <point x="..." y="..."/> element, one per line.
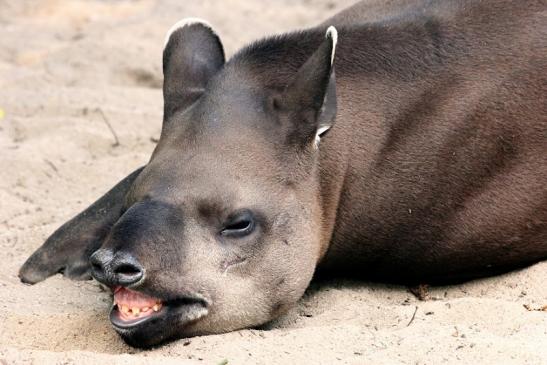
<point x="68" y="249"/>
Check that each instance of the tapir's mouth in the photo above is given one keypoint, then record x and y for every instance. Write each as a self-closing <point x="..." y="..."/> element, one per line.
<point x="133" y="310"/>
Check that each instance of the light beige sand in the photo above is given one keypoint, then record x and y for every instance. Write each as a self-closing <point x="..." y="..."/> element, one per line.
<point x="60" y="62"/>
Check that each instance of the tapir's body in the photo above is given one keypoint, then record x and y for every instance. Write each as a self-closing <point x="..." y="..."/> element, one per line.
<point x="436" y="167"/>
<point x="408" y="144"/>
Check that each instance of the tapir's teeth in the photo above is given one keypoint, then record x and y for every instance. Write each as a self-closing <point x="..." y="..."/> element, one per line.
<point x="135" y="304"/>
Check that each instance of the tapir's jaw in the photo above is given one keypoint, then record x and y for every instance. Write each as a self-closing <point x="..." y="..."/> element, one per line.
<point x="145" y="321"/>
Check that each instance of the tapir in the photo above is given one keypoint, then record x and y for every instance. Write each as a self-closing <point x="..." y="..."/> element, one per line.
<point x="403" y="141"/>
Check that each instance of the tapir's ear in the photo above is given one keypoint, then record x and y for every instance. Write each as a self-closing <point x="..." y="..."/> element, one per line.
<point x="311" y="97"/>
<point x="193" y="53"/>
<point x="68" y="249"/>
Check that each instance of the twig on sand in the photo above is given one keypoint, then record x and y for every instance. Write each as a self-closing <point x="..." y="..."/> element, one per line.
<point x="105" y="119"/>
<point x="52" y="165"/>
<point x="413" y="316"/>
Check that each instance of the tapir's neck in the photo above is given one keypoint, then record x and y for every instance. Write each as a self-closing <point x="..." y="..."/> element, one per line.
<point x="380" y="73"/>
<point x="405" y="51"/>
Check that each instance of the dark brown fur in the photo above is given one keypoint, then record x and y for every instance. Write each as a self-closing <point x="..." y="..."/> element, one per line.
<point x="447" y="131"/>
<point x="435" y="168"/>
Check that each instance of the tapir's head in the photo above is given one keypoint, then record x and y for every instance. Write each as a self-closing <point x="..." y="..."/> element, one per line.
<point x="221" y="230"/>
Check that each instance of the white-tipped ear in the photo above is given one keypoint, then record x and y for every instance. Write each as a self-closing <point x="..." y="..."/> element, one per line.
<point x="319" y="133"/>
<point x="332" y="33"/>
<point x="192" y="54"/>
<point x="185" y="22"/>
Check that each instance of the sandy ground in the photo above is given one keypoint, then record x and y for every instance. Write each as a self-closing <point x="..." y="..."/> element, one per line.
<point x="63" y="64"/>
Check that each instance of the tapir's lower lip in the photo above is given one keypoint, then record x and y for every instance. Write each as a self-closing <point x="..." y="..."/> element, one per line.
<point x="182" y="310"/>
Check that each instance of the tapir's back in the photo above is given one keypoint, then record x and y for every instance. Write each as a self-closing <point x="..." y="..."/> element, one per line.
<point x="445" y="107"/>
<point x="370" y="11"/>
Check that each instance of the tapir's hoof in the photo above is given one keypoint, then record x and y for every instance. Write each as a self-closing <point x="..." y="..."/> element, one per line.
<point x="30" y="276"/>
<point x="38" y="267"/>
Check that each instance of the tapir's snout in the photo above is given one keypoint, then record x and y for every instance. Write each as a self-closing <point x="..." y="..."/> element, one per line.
<point x="141" y="247"/>
<point x="115" y="269"/>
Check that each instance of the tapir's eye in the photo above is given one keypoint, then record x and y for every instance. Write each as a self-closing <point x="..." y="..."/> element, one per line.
<point x="239" y="225"/>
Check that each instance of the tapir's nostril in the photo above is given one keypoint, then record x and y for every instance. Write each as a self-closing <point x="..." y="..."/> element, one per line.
<point x="118" y="269"/>
<point x="126" y="269"/>
<point x="99" y="264"/>
<point x="96" y="266"/>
